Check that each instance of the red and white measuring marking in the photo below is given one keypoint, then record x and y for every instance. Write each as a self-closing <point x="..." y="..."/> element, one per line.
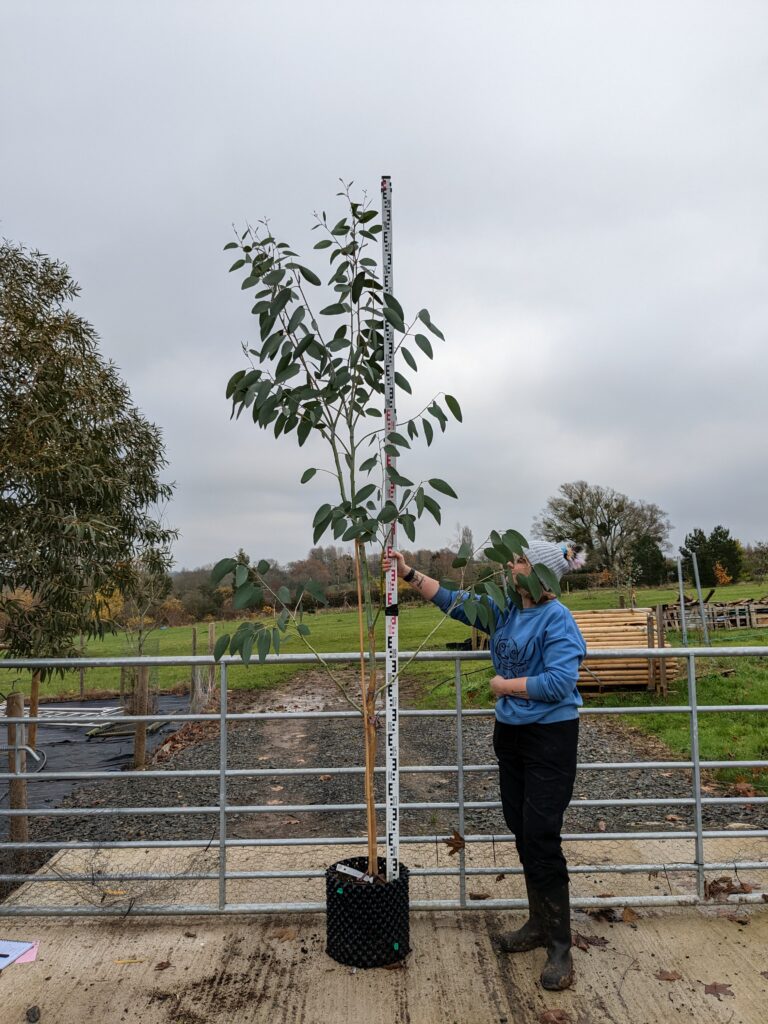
<point x="392" y="769"/>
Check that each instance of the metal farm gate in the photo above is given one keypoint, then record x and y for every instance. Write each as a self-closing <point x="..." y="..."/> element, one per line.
<point x="215" y="870"/>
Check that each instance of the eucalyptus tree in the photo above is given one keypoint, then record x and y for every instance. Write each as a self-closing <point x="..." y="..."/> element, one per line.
<point x="317" y="368"/>
<point x="79" y="466"/>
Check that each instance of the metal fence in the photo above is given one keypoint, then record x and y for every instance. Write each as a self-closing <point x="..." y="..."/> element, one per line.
<point x="223" y="875"/>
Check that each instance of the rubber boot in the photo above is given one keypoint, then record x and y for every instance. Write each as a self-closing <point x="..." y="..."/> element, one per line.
<point x="556" y="913"/>
<point x="532" y="934"/>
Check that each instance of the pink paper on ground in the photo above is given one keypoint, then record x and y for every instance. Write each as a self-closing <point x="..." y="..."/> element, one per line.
<point x="30" y="955"/>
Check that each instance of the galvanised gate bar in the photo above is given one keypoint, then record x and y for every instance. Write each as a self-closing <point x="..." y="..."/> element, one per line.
<point x="223" y="905"/>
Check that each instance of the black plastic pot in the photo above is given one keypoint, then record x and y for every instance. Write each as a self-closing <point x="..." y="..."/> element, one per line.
<point x="366" y="923"/>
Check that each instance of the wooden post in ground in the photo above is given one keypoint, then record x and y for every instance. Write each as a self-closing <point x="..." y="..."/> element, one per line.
<point x="34" y="707"/>
<point x="211" y="668"/>
<point x="82" y="670"/>
<point x="140" y="705"/>
<point x="660" y="642"/>
<point x="651" y="661"/>
<point x="17" y="762"/>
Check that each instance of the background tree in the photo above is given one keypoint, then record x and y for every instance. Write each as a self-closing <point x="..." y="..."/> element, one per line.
<point x="649" y="561"/>
<point x="719" y="547"/>
<point x="606" y="522"/>
<point x="79" y="465"/>
<point x="756" y="560"/>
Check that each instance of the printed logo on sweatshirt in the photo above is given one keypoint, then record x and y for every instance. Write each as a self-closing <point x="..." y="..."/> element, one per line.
<point x="513" y="661"/>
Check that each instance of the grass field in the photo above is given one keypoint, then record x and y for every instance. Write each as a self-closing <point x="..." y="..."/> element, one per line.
<point x="731" y="736"/>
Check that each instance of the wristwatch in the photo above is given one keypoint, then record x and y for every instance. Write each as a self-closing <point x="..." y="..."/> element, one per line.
<point x="409" y="575"/>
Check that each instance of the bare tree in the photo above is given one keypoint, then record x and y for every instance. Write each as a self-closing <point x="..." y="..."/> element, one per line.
<point x="605" y="521"/>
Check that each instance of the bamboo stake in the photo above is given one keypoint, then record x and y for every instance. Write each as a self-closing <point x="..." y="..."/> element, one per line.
<point x="368" y="695"/>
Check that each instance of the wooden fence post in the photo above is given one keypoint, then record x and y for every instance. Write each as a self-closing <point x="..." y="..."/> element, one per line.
<point x="82" y="670"/>
<point x="660" y="642"/>
<point x="34" y="707"/>
<point x="140" y="704"/>
<point x="17" y="762"/>
<point x="211" y="668"/>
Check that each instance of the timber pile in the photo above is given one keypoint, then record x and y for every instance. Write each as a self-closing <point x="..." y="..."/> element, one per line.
<point x="747" y="614"/>
<point x="610" y="628"/>
<point x="622" y="627"/>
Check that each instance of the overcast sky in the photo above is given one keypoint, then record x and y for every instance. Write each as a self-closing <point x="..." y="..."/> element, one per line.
<point x="580" y="201"/>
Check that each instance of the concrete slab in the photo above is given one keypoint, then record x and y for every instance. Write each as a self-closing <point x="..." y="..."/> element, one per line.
<point x="211" y="970"/>
<point x="217" y="970"/>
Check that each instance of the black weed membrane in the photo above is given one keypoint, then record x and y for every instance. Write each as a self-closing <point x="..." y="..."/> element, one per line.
<point x="367" y="922"/>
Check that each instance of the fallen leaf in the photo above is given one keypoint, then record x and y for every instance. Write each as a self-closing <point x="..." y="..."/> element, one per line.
<point x="263" y="757"/>
<point x="276" y="788"/>
<point x="741" y="919"/>
<point x="455" y="843"/>
<point x="283" y="934"/>
<point x="128" y="961"/>
<point x="744" y="789"/>
<point x="668" y="976"/>
<point x="500" y="877"/>
<point x="629" y="916"/>
<point x="601" y="826"/>
<point x="291" y="821"/>
<point x="555" y="1017"/>
<point x="583" y="942"/>
<point x="326" y="778"/>
<point x="672" y="817"/>
<point x="717" y="988"/>
<point x="272" y="803"/>
<point x="725" y="885"/>
<point x="163" y="965"/>
<point x="764" y="974"/>
<point x="479" y="895"/>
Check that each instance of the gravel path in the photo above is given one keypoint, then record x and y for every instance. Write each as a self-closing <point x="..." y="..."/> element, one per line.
<point x="337" y="743"/>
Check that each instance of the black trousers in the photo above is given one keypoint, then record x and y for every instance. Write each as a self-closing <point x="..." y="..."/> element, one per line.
<point x="537" y="768"/>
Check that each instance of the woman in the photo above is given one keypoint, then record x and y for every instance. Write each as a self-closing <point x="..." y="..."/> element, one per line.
<point x="536" y="652"/>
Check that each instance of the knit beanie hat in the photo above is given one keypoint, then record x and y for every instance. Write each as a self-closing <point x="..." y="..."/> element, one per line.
<point x="561" y="557"/>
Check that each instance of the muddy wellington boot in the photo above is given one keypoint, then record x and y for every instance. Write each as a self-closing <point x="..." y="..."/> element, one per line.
<point x="532" y="934"/>
<point x="556" y="913"/>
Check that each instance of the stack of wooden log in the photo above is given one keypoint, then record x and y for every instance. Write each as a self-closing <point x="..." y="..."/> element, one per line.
<point x="611" y="628"/>
<point x="747" y="614"/>
<point x="623" y="627"/>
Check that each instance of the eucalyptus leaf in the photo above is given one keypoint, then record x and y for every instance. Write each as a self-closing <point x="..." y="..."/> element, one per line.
<point x="220" y="647"/>
<point x="221" y="569"/>
<point x="453" y="405"/>
<point x="441" y="486"/>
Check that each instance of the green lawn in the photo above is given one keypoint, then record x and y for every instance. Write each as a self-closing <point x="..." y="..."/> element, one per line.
<point x="731" y="736"/>
<point x="585" y="600"/>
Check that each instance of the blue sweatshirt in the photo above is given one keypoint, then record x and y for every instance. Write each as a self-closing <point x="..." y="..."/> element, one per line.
<point x="542" y="643"/>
